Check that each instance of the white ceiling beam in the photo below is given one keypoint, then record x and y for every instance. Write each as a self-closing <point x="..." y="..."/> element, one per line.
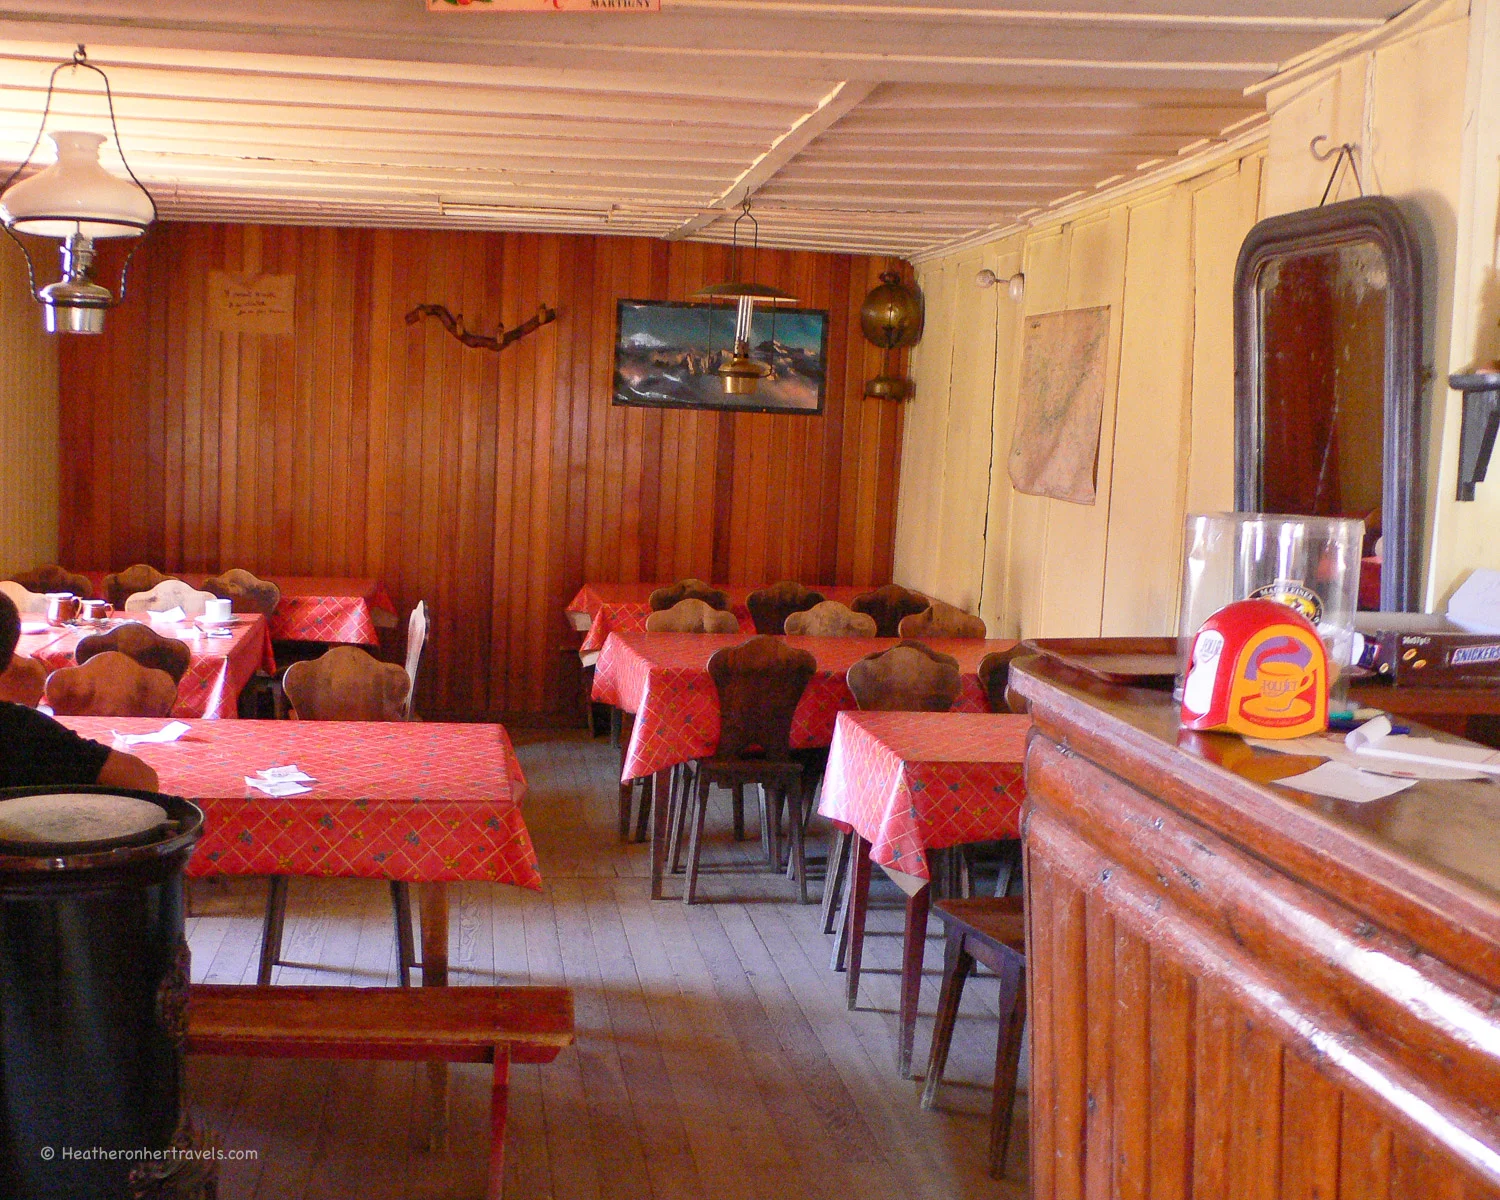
<point x="842" y="100"/>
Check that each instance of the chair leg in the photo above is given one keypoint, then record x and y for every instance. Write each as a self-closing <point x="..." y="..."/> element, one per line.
<point x="957" y="964"/>
<point x="913" y="954"/>
<point x="695" y="845"/>
<point x="1007" y="1063"/>
<point x="799" y="843"/>
<point x="616" y="721"/>
<point x="683" y="788"/>
<point x="643" y="809"/>
<point x="405" y="950"/>
<point x="739" y="812"/>
<point x="627" y="795"/>
<point x="271" y="929"/>
<point x="838" y="848"/>
<point x="771" y="820"/>
<point x="859" y="903"/>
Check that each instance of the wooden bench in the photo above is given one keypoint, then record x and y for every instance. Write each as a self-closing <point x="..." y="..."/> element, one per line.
<point x="497" y="1025"/>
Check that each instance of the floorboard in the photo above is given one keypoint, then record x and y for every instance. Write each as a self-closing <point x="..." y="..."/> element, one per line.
<point x="716" y="1057"/>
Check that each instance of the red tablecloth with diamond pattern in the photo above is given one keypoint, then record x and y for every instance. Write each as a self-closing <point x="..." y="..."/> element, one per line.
<point x="913" y="782"/>
<point x="420" y="801"/>
<point x="216" y="674"/>
<point x="316" y="608"/>
<point x="623" y="608"/>
<point x="663" y="679"/>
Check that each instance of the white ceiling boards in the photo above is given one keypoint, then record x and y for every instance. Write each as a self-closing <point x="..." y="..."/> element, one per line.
<point x="861" y="125"/>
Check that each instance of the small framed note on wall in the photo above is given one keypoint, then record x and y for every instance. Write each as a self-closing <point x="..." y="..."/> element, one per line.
<point x="241" y="303"/>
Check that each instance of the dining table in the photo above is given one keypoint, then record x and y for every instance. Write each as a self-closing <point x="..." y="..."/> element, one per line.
<point x="424" y="802"/>
<point x="220" y="665"/>
<point x="663" y="679"/>
<point x="910" y="783"/>
<point x="315" y="608"/>
<point x="600" y="609"/>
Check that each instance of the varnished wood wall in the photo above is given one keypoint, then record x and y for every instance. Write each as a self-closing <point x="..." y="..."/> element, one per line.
<point x="492" y="485"/>
<point x="28" y="421"/>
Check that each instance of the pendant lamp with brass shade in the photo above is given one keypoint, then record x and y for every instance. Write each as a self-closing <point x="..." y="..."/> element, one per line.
<point x="891" y="317"/>
<point x="78" y="202"/>
<point x="740" y="373"/>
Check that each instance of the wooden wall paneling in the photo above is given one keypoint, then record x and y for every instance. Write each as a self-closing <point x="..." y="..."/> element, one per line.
<point x="1000" y="605"/>
<point x="1172" y="1005"/>
<point x="1130" y="1057"/>
<point x="1311" y="1121"/>
<point x="491" y="485"/>
<point x="34" y="451"/>
<point x="1098" y="1064"/>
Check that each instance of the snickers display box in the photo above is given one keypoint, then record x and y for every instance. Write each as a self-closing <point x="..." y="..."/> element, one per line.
<point x="1422" y="650"/>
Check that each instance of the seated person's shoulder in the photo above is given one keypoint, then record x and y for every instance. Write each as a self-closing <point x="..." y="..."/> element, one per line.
<point x="36" y="750"/>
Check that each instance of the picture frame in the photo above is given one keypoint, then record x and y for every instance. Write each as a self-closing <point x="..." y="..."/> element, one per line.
<point x="666" y="353"/>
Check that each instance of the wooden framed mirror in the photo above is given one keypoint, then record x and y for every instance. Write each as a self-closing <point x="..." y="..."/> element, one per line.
<point x="1327" y="366"/>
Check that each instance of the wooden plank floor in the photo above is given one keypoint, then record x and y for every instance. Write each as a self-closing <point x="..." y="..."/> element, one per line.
<point x="715" y="1055"/>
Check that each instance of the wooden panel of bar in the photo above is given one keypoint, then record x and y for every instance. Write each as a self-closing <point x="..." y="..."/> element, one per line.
<point x="1239" y="989"/>
<point x="492" y="485"/>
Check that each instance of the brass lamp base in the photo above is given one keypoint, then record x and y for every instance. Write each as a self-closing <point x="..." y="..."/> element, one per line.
<point x="888" y="387"/>
<point x="741" y="375"/>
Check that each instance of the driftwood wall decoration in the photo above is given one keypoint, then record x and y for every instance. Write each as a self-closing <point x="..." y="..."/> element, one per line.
<point x="503" y="337"/>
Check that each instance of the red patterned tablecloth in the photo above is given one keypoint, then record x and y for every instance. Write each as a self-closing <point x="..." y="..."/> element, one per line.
<point x="316" y="608"/>
<point x="913" y="782"/>
<point x="420" y="801"/>
<point x="663" y="679"/>
<point x="216" y="674"/>
<point x="605" y="608"/>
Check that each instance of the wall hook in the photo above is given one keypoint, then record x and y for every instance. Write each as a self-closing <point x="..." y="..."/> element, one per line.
<point x="1343" y="152"/>
<point x="503" y="337"/>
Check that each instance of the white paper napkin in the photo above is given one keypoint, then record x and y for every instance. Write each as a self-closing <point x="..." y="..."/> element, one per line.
<point x="172" y="616"/>
<point x="167" y="733"/>
<point x="1345" y="783"/>
<point x="276" y="787"/>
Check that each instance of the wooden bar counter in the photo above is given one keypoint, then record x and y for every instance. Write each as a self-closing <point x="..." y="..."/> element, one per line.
<point x="1242" y="990"/>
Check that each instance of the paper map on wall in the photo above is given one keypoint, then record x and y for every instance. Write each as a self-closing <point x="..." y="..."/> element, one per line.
<point x="1054" y="450"/>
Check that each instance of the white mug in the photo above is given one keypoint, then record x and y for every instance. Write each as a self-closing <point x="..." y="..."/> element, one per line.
<point x="216" y="611"/>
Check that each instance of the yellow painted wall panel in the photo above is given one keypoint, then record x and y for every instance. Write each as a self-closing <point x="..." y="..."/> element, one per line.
<point x="922" y="457"/>
<point x="28" y="423"/>
<point x="1073" y="590"/>
<point x="1000" y="599"/>
<point x="1152" y="427"/>
<point x="1223" y="212"/>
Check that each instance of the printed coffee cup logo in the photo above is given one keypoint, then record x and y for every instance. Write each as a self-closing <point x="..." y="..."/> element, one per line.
<point x="1294" y="595"/>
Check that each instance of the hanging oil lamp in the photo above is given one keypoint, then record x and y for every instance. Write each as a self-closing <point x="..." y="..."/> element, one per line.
<point x="891" y="318"/>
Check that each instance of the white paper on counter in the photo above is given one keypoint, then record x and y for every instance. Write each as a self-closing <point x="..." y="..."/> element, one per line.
<point x="167" y="733"/>
<point x="1374" y="740"/>
<point x="1345" y="783"/>
<point x="289" y="774"/>
<point x="276" y="787"/>
<point x="1335" y="749"/>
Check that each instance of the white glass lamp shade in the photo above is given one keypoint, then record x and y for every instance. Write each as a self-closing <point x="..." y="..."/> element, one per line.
<point x="76" y="194"/>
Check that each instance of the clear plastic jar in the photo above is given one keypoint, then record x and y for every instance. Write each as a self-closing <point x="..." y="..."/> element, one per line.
<point x="1310" y="564"/>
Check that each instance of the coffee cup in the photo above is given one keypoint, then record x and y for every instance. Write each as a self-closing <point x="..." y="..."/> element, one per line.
<point x="95" y="612"/>
<point x="1281" y="682"/>
<point x="217" y="611"/>
<point x="62" y="607"/>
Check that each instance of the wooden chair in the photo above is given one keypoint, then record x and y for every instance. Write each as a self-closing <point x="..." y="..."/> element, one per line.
<point x="770" y="607"/>
<point x="141" y="643"/>
<point x="245" y="592"/>
<point x="416" y="640"/>
<point x="688" y="589"/>
<point x="345" y="684"/>
<point x="53" y="578"/>
<point x="28" y="603"/>
<point x="991" y="931"/>
<point x="23" y="682"/>
<point x="830" y="619"/>
<point x="119" y="587"/>
<point x="692" y="616"/>
<point x="759" y="682"/>
<point x="499" y="1025"/>
<point x="167" y="595"/>
<point x="909" y="677"/>
<point x="111" y="685"/>
<point x="939" y="620"/>
<point x="994" y="676"/>
<point x="888" y="605"/>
